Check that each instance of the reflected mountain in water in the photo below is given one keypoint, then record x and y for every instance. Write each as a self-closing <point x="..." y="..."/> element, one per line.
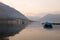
<point x="10" y="30"/>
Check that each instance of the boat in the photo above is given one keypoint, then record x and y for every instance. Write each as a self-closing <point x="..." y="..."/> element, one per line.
<point x="47" y="25"/>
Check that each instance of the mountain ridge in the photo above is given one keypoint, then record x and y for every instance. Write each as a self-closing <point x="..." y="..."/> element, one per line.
<point x="10" y="13"/>
<point x="51" y="18"/>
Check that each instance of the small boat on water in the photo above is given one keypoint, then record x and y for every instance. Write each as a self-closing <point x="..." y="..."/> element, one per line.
<point x="47" y="25"/>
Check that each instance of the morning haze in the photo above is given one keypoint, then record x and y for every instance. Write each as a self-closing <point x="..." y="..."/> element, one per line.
<point x="30" y="19"/>
<point x="36" y="8"/>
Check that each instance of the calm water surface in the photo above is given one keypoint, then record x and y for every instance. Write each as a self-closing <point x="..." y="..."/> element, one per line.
<point x="36" y="31"/>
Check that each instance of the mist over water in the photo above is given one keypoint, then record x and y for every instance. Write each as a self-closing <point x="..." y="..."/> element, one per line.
<point x="36" y="31"/>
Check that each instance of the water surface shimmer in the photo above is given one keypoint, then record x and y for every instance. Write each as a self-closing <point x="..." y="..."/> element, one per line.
<point x="36" y="31"/>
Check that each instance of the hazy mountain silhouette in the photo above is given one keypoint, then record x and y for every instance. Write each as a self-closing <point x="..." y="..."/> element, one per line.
<point x="55" y="18"/>
<point x="7" y="12"/>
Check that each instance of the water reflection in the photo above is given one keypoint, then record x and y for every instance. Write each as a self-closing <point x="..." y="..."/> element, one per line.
<point x="10" y="30"/>
<point x="36" y="31"/>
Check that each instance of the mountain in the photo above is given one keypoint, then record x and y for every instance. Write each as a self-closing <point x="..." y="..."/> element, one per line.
<point x="7" y="12"/>
<point x="55" y="18"/>
<point x="11" y="27"/>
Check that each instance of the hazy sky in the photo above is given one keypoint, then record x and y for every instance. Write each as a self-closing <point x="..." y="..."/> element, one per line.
<point x="34" y="9"/>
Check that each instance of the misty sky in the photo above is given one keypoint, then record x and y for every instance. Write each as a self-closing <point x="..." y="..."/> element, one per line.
<point x="34" y="9"/>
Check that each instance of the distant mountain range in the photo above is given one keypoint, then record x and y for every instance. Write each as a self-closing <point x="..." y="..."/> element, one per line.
<point x="55" y="18"/>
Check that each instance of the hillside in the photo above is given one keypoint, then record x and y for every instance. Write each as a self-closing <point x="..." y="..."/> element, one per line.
<point x="7" y="12"/>
<point x="51" y="18"/>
